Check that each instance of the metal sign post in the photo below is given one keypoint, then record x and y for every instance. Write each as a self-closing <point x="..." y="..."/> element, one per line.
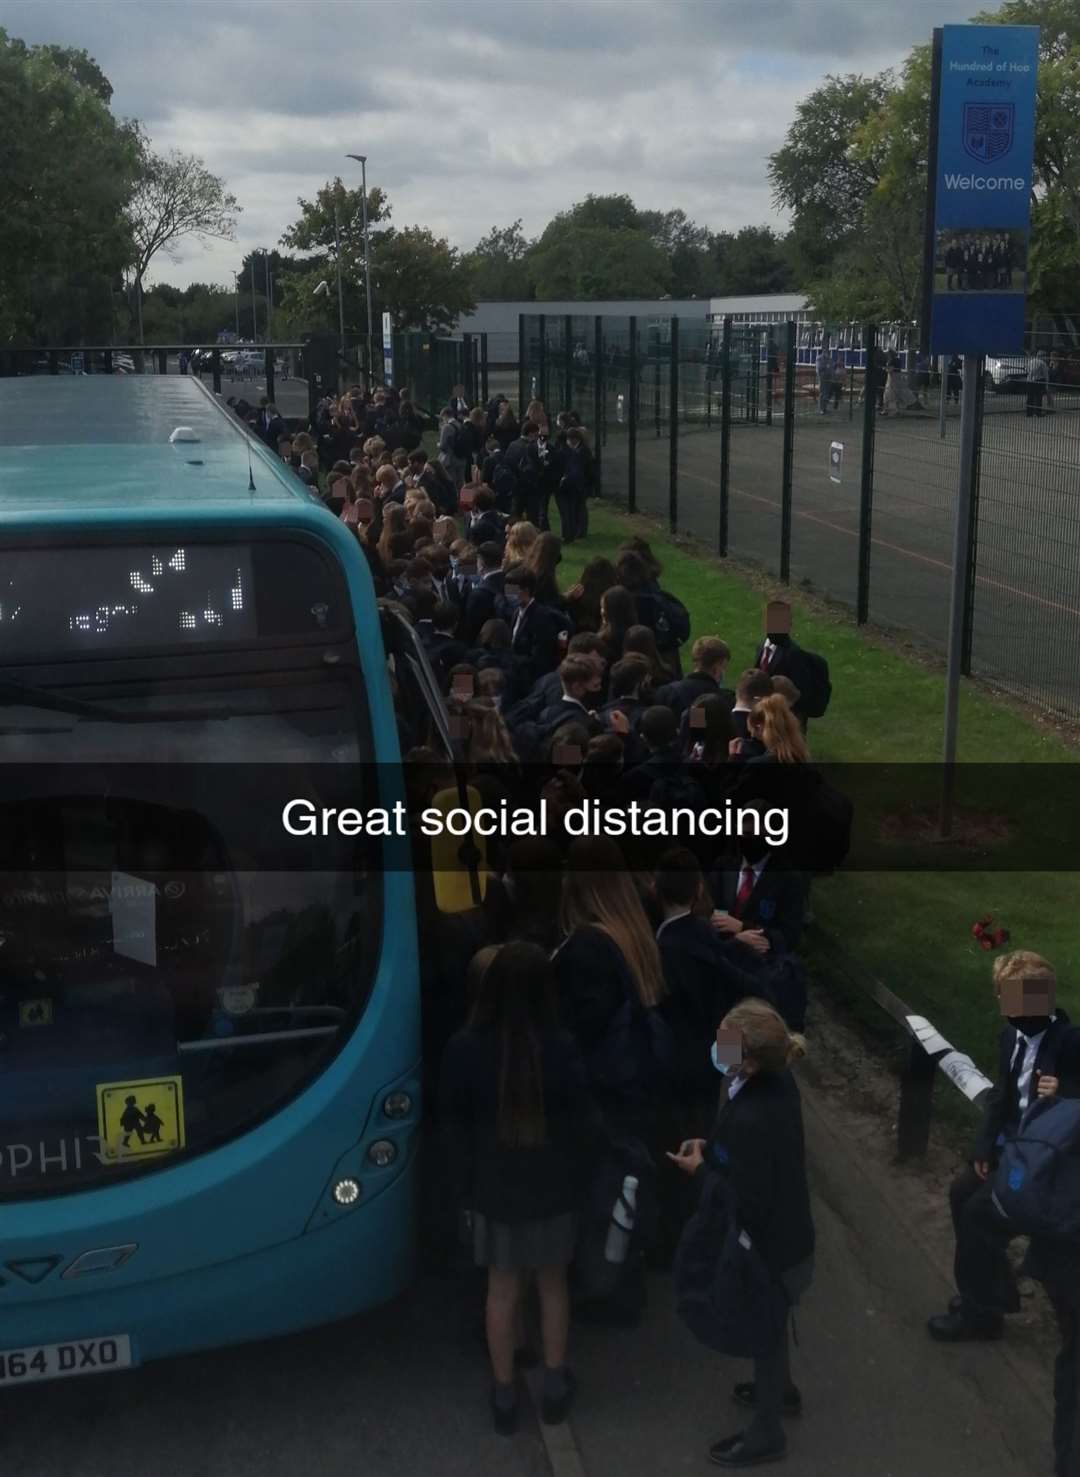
<point x="982" y="139"/>
<point x="961" y="561"/>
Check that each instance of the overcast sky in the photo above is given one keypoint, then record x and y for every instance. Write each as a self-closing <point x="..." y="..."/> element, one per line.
<point x="475" y="112"/>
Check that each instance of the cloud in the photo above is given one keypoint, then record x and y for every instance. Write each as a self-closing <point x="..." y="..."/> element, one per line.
<point x="472" y="115"/>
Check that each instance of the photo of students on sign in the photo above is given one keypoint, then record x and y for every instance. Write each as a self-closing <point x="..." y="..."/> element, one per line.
<point x="990" y="259"/>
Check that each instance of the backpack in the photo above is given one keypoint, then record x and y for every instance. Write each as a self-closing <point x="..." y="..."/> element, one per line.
<point x="462" y="443"/>
<point x="678" y="617"/>
<point x="815" y="702"/>
<point x="1037" y="1184"/>
<point x="678" y="791"/>
<point x="503" y="482"/>
<point x="594" y="1275"/>
<point x="724" y="1292"/>
<point x="665" y="615"/>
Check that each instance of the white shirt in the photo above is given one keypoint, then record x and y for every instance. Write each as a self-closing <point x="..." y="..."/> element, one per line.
<point x="1023" y="1082"/>
<point x="767" y="649"/>
<point x="735" y="1086"/>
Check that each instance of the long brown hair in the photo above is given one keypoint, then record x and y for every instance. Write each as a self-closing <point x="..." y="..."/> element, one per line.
<point x="515" y="999"/>
<point x="393" y="522"/>
<point x="598" y="892"/>
<point x="772" y="721"/>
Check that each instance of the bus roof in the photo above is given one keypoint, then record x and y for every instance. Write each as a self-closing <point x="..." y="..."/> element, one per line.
<point x="98" y="442"/>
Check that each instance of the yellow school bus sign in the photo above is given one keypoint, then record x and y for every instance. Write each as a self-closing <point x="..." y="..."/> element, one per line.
<point x="137" y="1120"/>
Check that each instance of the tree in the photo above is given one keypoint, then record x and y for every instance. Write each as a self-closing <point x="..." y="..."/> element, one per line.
<point x="863" y="145"/>
<point x="753" y="260"/>
<point x="498" y="265"/>
<point x="69" y="170"/>
<point x="817" y="175"/>
<point x="417" y="277"/>
<point x="599" y="248"/>
<point x="177" y="197"/>
<point x="686" y="245"/>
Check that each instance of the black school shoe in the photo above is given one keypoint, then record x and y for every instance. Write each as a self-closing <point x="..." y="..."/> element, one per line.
<point x="554" y="1411"/>
<point x="746" y="1394"/>
<point x="504" y="1417"/>
<point x="962" y="1327"/>
<point x="733" y="1451"/>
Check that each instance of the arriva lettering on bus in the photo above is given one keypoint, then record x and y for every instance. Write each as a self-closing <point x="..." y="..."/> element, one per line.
<point x="985" y="182"/>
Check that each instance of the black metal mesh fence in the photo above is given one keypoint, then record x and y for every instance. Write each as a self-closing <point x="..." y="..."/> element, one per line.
<point x="727" y="433"/>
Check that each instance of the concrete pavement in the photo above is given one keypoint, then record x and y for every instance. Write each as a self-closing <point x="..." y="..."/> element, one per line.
<point x="880" y="1399"/>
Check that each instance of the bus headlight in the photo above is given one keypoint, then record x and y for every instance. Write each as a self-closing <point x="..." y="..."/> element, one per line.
<point x="347" y="1192"/>
<point x="397" y="1105"/>
<point x="382" y="1153"/>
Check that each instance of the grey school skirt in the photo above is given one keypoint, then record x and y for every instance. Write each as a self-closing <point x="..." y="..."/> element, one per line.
<point x="526" y="1244"/>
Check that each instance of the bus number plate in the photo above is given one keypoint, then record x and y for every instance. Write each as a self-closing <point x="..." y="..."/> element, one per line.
<point x="60" y="1361"/>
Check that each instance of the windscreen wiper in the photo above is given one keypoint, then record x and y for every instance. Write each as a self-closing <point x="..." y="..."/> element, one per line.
<point x="22" y="694"/>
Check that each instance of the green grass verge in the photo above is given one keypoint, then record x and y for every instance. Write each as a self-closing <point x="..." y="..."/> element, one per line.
<point x="913" y="930"/>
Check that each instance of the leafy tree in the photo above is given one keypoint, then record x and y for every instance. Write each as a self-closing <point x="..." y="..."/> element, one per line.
<point x="818" y="177"/>
<point x="417" y="277"/>
<point x="864" y="259"/>
<point x="599" y="248"/>
<point x="686" y="245"/>
<point x="752" y="260"/>
<point x="176" y="197"/>
<point x="69" y="171"/>
<point x="498" y="265"/>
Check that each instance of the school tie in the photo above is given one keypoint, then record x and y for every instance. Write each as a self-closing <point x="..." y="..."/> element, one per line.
<point x="746" y="887"/>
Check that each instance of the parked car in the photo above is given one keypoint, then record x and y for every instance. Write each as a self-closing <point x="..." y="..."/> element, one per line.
<point x="1007" y="374"/>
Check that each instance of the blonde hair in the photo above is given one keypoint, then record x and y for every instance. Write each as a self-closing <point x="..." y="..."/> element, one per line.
<point x="599" y="893"/>
<point x="444" y="530"/>
<point x="1021" y="964"/>
<point x="519" y="539"/>
<point x="766" y="1038"/>
<point x="773" y="722"/>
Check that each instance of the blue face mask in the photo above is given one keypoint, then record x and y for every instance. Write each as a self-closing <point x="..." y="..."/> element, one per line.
<point x="722" y="1067"/>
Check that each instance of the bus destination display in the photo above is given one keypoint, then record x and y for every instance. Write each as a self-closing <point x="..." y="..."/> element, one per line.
<point x="124" y="598"/>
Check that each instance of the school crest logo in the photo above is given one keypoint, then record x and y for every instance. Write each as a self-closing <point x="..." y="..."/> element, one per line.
<point x="988" y="130"/>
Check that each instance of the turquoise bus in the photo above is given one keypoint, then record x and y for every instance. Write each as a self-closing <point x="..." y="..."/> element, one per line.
<point x="209" y="1061"/>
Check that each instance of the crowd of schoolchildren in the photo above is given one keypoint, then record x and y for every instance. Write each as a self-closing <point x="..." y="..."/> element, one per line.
<point x="609" y="1027"/>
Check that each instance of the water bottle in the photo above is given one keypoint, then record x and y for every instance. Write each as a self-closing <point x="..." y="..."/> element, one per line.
<point x="623" y="1216"/>
<point x="619" y="409"/>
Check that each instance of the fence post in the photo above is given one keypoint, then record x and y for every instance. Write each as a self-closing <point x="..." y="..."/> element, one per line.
<point x="163" y="361"/>
<point x="215" y="369"/>
<point x="541" y="365"/>
<point x="770" y="355"/>
<point x="788" y="469"/>
<point x="725" y="436"/>
<point x="866" y="485"/>
<point x="598" y="394"/>
<point x="632" y="408"/>
<point x="916" y="1103"/>
<point x="523" y="368"/>
<point x="656" y="387"/>
<point x="568" y="365"/>
<point x="968" y="629"/>
<point x="484" y="387"/>
<point x="269" y="358"/>
<point x="108" y="361"/>
<point x="673" y="429"/>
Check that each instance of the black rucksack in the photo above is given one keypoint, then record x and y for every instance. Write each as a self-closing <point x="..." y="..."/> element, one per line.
<point x="724" y="1292"/>
<point x="503" y="482"/>
<point x="463" y="444"/>
<point x="594" y="1275"/>
<point x="1037" y="1184"/>
<point x="814" y="702"/>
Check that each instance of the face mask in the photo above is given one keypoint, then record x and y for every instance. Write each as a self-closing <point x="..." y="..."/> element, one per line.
<point x="722" y="1067"/>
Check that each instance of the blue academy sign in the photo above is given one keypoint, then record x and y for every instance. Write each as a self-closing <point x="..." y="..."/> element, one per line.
<point x="977" y="260"/>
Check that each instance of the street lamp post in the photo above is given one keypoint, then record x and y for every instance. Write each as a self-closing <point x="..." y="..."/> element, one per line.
<point x="362" y="158"/>
<point x="236" y="301"/>
<point x="340" y="298"/>
<point x="269" y="298"/>
<point x="254" y="317"/>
